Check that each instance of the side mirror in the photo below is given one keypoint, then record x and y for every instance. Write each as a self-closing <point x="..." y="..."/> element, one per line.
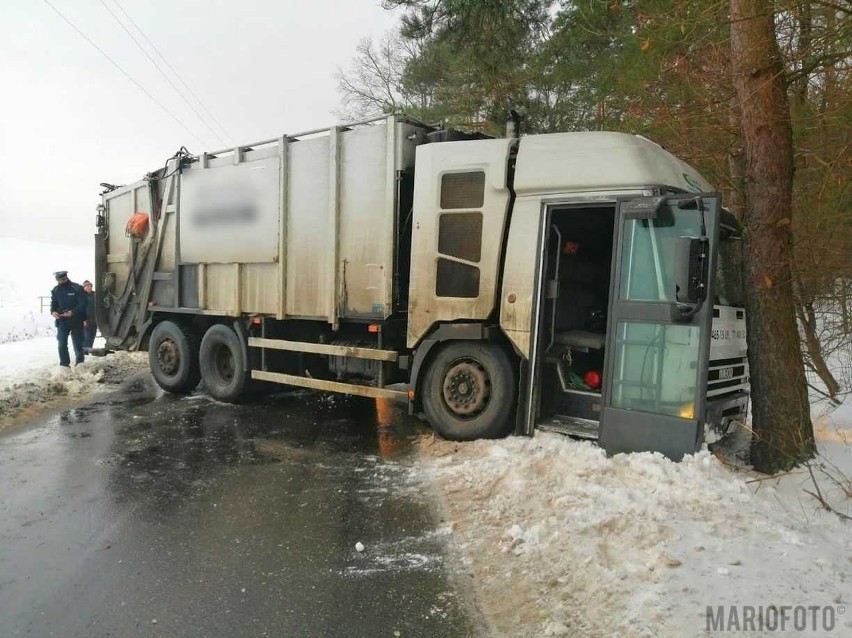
<point x="690" y="276"/>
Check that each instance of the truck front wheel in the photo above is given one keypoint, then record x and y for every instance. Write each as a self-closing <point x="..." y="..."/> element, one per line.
<point x="173" y="357"/>
<point x="468" y="391"/>
<point x="222" y="365"/>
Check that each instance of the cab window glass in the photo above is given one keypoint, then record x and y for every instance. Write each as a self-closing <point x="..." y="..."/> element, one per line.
<point x="648" y="254"/>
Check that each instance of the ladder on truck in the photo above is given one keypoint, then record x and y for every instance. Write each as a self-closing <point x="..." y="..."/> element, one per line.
<point x="128" y="312"/>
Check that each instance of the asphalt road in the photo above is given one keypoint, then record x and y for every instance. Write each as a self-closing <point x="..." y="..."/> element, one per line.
<point x="145" y="514"/>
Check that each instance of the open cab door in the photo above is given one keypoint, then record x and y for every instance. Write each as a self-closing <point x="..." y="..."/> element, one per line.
<point x="658" y="333"/>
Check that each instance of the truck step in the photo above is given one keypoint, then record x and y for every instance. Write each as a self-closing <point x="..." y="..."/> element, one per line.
<point x="572" y="426"/>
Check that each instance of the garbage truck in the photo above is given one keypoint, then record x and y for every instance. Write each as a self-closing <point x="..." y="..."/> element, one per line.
<point x="567" y="281"/>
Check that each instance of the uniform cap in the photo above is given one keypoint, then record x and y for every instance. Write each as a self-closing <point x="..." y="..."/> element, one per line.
<point x="60" y="274"/>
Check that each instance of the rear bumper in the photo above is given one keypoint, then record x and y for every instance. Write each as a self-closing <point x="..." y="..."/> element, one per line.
<point x="720" y="411"/>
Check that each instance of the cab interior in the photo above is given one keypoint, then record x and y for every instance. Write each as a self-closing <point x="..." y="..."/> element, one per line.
<point x="575" y="291"/>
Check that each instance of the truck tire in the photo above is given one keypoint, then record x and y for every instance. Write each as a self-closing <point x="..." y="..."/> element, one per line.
<point x="468" y="391"/>
<point x="173" y="357"/>
<point x="222" y="365"/>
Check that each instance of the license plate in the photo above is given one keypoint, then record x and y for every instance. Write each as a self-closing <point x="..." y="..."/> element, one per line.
<point x="726" y="373"/>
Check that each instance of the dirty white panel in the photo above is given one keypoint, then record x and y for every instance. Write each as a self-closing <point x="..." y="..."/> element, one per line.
<point x="121" y="205"/>
<point x="366" y="224"/>
<point x="166" y="262"/>
<point x="229" y="214"/>
<point x="308" y="239"/>
<point x="519" y="275"/>
<point x="119" y="209"/>
<point x="259" y="288"/>
<point x="221" y="287"/>
<point x="143" y="198"/>
<point x="598" y="160"/>
<point x="434" y="162"/>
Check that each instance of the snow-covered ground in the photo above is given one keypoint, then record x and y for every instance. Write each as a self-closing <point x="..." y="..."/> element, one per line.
<point x="563" y="541"/>
<point x="31" y="378"/>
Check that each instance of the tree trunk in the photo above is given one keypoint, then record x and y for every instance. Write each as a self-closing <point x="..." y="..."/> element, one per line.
<point x="780" y="412"/>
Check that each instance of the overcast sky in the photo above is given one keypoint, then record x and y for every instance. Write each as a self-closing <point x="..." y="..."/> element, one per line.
<point x="70" y="120"/>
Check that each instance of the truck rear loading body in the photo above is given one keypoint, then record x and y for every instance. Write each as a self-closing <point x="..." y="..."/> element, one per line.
<point x="484" y="281"/>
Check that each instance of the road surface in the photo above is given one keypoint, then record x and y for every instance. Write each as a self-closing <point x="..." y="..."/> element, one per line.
<point x="146" y="514"/>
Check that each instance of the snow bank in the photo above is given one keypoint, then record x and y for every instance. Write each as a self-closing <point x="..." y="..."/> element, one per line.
<point x="565" y="541"/>
<point x="31" y="378"/>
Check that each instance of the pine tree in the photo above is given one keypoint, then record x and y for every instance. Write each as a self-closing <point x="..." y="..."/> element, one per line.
<point x="781" y="411"/>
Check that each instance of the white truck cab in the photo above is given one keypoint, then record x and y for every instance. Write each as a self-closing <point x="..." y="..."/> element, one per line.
<point x="604" y="234"/>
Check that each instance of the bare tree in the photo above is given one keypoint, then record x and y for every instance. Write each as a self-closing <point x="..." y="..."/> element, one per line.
<point x="380" y="79"/>
<point x="373" y="82"/>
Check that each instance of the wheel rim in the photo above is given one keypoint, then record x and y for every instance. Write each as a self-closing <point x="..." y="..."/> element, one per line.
<point x="223" y="363"/>
<point x="467" y="388"/>
<point x="168" y="357"/>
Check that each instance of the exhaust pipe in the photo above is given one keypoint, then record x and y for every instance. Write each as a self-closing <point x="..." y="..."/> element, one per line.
<point x="513" y="124"/>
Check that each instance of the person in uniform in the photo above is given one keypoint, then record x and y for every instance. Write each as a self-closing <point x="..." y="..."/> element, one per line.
<point x="68" y="307"/>
<point x="90" y="325"/>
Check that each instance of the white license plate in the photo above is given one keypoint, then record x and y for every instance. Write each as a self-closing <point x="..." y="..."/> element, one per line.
<point x="726" y="373"/>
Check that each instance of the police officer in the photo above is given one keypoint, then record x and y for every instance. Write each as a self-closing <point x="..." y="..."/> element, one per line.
<point x="68" y="307"/>
<point x="90" y="325"/>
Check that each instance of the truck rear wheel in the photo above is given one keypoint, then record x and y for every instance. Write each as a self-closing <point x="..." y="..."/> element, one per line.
<point x="173" y="357"/>
<point x="468" y="391"/>
<point x="222" y="365"/>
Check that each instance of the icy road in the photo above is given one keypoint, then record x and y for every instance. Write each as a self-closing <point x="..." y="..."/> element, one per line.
<point x="145" y="514"/>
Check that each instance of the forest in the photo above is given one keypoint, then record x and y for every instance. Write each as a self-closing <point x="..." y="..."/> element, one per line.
<point x="755" y="94"/>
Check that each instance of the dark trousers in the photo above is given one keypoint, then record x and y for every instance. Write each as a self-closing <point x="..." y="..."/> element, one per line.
<point x="75" y="329"/>
<point x="89" y="332"/>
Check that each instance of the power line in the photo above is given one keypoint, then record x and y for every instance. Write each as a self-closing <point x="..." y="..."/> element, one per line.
<point x="125" y="73"/>
<point x="163" y="73"/>
<point x="172" y="69"/>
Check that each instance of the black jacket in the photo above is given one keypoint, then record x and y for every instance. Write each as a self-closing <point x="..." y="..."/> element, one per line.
<point x="69" y="296"/>
<point x="91" y="316"/>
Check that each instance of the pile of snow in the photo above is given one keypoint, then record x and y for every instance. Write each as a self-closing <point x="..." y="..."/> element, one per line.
<point x="562" y="540"/>
<point x="31" y="378"/>
<point x="26" y="273"/>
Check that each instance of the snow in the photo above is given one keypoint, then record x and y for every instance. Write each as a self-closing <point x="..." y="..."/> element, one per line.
<point x="19" y="358"/>
<point x="562" y="540"/>
<point x="31" y="377"/>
